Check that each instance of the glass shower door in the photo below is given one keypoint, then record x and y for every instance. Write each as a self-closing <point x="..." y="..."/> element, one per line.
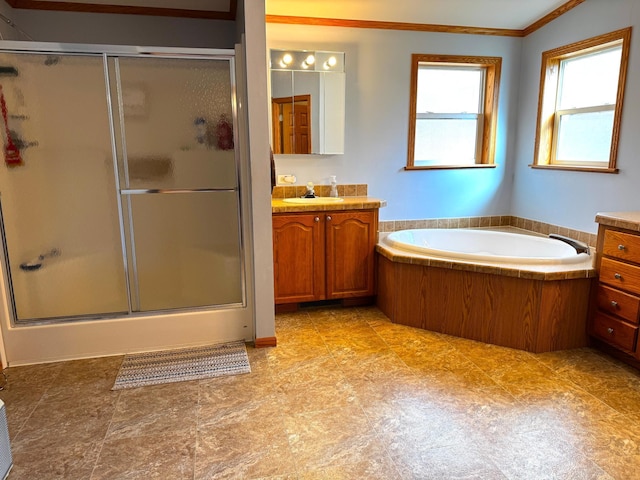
<point x="58" y="197"/>
<point x="178" y="177"/>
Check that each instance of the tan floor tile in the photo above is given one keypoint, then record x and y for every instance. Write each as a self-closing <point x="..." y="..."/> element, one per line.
<point x="284" y="356"/>
<point x="54" y="460"/>
<point x="322" y="368"/>
<point x="370" y="364"/>
<point x="314" y="395"/>
<point x="155" y="410"/>
<point x="538" y="455"/>
<point x="147" y="457"/>
<point x="68" y="420"/>
<point x="463" y="461"/>
<point x="332" y="437"/>
<point x="237" y="399"/>
<point x="376" y="468"/>
<point x="243" y="450"/>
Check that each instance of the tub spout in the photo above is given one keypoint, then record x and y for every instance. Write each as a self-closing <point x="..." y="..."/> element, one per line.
<point x="579" y="246"/>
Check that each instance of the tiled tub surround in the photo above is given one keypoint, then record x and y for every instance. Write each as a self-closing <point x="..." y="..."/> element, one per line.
<point x="490" y="221"/>
<point x="346" y="394"/>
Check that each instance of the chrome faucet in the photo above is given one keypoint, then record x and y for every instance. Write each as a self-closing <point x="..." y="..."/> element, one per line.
<point x="310" y="192"/>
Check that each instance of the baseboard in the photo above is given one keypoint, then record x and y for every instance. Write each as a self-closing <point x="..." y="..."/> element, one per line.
<point x="265" y="342"/>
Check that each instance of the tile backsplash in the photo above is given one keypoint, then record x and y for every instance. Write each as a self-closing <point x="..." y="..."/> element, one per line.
<point x="347" y="190"/>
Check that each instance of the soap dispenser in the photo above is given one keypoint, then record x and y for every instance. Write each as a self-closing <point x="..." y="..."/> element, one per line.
<point x="334" y="187"/>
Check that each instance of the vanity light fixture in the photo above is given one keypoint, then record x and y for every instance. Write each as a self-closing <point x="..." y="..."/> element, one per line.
<point x="307" y="60"/>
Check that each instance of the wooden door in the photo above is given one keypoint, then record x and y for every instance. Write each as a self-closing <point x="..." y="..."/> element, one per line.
<point x="299" y="258"/>
<point x="350" y="243"/>
<point x="288" y="129"/>
<point x="291" y="124"/>
<point x="302" y="122"/>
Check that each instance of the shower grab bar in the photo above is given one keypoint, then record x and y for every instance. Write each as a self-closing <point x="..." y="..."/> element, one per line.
<point x="36" y="263"/>
<point x="579" y="246"/>
<point x="175" y="190"/>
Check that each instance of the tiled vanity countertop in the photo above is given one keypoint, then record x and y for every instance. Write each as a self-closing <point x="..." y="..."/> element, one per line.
<point x="348" y="203"/>
<point x="627" y="220"/>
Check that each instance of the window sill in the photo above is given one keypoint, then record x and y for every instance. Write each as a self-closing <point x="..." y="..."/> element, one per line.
<point x="575" y="169"/>
<point x="449" y="167"/>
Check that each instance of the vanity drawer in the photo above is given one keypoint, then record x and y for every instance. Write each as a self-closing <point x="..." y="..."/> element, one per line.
<point x="615" y="332"/>
<point x="620" y="275"/>
<point x="618" y="303"/>
<point x="621" y="245"/>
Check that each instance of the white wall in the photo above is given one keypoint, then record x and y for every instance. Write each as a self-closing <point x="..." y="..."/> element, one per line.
<point x="572" y="199"/>
<point x="378" y="64"/>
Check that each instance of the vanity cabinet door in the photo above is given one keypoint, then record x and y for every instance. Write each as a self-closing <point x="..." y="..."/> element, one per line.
<point x="350" y="243"/>
<point x="299" y="257"/>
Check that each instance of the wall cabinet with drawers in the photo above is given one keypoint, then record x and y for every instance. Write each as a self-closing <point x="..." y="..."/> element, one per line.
<point x="324" y="255"/>
<point x="616" y="297"/>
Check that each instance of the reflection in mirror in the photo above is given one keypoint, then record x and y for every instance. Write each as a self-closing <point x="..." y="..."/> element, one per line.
<point x="307" y="102"/>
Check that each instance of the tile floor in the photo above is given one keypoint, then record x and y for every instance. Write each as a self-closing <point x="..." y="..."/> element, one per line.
<point x="346" y="394"/>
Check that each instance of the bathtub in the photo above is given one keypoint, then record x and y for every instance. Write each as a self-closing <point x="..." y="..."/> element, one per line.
<point x="513" y="290"/>
<point x="485" y="246"/>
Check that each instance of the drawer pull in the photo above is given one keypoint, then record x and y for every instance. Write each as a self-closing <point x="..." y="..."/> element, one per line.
<point x="328" y="218"/>
<point x="317" y="219"/>
<point x="621" y="247"/>
<point x="617" y="276"/>
<point x="610" y="331"/>
<point x="614" y="304"/>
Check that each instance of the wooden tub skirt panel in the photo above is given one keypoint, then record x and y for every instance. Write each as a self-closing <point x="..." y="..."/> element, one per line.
<point x="527" y="314"/>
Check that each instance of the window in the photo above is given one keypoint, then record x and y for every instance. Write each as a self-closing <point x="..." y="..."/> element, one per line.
<point x="580" y="104"/>
<point x="452" y="111"/>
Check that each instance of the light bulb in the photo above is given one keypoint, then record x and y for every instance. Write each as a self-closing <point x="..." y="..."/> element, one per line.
<point x="331" y="62"/>
<point x="287" y="59"/>
<point x="310" y="60"/>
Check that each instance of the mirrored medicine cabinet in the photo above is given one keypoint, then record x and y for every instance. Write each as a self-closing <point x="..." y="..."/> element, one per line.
<point x="307" y="102"/>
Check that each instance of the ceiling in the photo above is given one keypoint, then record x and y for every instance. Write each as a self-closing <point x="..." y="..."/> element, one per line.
<point x="508" y="14"/>
<point x="501" y="14"/>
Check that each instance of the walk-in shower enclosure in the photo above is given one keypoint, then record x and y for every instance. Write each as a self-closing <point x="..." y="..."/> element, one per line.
<point x="125" y="198"/>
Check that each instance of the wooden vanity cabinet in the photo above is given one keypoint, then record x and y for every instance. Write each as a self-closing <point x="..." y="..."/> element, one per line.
<point x="324" y="255"/>
<point x="616" y="297"/>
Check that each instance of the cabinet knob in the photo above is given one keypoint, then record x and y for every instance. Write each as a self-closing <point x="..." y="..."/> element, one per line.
<point x="610" y="331"/>
<point x="317" y="219"/>
<point x="621" y="247"/>
<point x="328" y="218"/>
<point x="617" y="276"/>
<point x="614" y="304"/>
